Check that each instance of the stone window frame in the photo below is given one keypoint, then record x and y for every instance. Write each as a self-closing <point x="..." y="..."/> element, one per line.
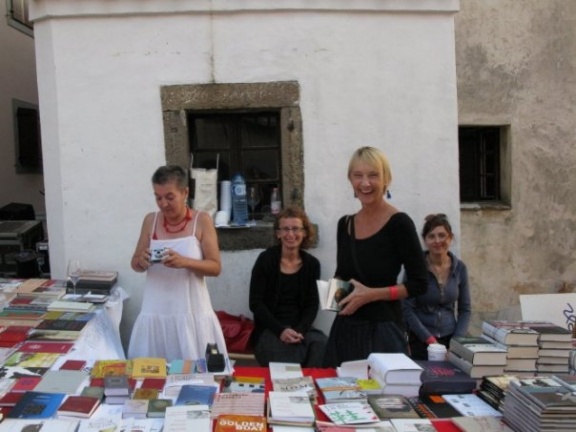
<point x="284" y="96"/>
<point x="505" y="172"/>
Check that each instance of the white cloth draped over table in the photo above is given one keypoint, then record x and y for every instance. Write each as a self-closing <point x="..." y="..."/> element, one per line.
<point x="176" y="320"/>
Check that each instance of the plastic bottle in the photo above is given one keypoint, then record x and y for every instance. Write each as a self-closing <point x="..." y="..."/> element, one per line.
<point x="239" y="203"/>
<point x="275" y="203"/>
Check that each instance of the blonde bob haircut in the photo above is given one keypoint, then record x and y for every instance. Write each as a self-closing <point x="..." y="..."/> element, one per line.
<point x="374" y="157"/>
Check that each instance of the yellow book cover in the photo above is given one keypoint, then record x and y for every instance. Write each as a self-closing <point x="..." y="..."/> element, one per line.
<point x="103" y="368"/>
<point x="149" y="367"/>
<point x="31" y="359"/>
<point x="145" y="393"/>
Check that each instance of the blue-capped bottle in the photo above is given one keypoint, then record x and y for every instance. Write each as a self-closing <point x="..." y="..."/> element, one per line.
<point x="239" y="201"/>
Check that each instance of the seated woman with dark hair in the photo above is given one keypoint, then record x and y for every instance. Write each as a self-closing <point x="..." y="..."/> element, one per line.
<point x="444" y="310"/>
<point x="284" y="297"/>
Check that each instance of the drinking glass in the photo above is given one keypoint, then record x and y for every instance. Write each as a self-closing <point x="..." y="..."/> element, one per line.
<point x="253" y="199"/>
<point x="74" y="272"/>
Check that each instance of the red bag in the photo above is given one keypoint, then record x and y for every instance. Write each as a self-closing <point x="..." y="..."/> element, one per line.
<point x="237" y="330"/>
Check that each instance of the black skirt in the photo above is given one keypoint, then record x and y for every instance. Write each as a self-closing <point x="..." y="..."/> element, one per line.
<point x="353" y="339"/>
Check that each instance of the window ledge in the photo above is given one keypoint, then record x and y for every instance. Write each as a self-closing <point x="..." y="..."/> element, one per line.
<point x="485" y="205"/>
<point x="260" y="236"/>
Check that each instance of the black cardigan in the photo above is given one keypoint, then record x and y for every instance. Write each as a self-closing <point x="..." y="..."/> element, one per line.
<point x="264" y="292"/>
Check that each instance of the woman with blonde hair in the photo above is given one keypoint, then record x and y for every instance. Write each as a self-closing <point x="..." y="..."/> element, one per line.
<point x="374" y="244"/>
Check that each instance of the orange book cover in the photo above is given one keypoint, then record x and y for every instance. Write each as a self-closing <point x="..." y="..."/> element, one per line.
<point x="240" y="423"/>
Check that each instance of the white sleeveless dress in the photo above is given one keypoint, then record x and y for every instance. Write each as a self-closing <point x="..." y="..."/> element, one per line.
<point x="176" y="320"/>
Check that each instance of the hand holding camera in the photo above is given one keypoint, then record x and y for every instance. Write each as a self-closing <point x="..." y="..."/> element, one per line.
<point x="157" y="255"/>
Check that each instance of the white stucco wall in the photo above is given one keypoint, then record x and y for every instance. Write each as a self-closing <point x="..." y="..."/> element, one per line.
<point x="373" y="72"/>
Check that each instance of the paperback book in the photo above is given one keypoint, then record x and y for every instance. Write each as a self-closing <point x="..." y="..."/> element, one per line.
<point x="391" y="406"/>
<point x="478" y="350"/>
<point x="290" y="409"/>
<point x="240" y="423"/>
<point x="196" y="394"/>
<point x="475" y="371"/>
<point x="510" y="332"/>
<point x="350" y="413"/>
<point x="78" y="406"/>
<point x="340" y="389"/>
<point x="441" y="377"/>
<point x="394" y="368"/>
<point x="36" y="405"/>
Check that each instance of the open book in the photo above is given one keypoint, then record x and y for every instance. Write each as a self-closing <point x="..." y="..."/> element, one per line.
<point x="331" y="292"/>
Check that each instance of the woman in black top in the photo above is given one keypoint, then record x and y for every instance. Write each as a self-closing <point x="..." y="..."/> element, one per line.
<point x="373" y="245"/>
<point x="284" y="297"/>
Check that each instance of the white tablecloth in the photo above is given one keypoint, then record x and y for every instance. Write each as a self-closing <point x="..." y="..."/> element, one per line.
<point x="100" y="340"/>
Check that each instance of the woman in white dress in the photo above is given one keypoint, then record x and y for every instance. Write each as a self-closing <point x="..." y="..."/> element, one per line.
<point x="177" y="248"/>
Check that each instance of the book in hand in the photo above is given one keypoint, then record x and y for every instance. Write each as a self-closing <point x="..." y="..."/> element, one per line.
<point x="348" y="413"/>
<point x="290" y="409"/>
<point x="36" y="405"/>
<point x="391" y="406"/>
<point x="331" y="292"/>
<point x="394" y="368"/>
<point x="478" y="350"/>
<point x="78" y="406"/>
<point x="441" y="377"/>
<point x="240" y="423"/>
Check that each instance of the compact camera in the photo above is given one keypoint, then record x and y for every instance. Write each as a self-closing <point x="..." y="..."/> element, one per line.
<point x="156" y="255"/>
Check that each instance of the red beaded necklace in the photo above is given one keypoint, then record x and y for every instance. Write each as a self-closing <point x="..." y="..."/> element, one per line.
<point x="182" y="224"/>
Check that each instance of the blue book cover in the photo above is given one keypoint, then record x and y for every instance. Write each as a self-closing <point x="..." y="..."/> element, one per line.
<point x="36" y="405"/>
<point x="196" y="394"/>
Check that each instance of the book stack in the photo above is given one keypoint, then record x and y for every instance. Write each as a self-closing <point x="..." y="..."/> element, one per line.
<point x="477" y="356"/>
<point x="340" y="389"/>
<point x="291" y="409"/>
<point x="520" y="342"/>
<point x="443" y="377"/>
<point x="96" y="281"/>
<point x="396" y="373"/>
<point x="555" y="344"/>
<point x="41" y="287"/>
<point x="116" y="389"/>
<point x="493" y="389"/>
<point x="540" y="404"/>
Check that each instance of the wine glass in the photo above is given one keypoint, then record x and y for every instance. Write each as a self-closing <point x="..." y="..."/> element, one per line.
<point x="253" y="199"/>
<point x="74" y="272"/>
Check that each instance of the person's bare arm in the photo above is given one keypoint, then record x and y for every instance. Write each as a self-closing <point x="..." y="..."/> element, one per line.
<point x="141" y="257"/>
